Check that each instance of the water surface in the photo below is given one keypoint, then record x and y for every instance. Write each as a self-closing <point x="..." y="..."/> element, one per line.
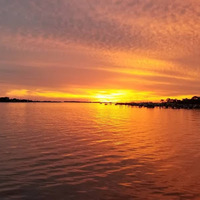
<point x="92" y="151"/>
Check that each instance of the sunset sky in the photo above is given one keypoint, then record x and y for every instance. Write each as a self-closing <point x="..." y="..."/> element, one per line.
<point x="101" y="50"/>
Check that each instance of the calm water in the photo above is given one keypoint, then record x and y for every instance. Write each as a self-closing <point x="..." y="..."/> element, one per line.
<point x="93" y="151"/>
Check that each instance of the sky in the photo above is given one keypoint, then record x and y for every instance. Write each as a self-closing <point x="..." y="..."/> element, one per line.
<point x="100" y="50"/>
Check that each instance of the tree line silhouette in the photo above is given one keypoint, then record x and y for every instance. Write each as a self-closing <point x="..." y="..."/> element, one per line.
<point x="193" y="103"/>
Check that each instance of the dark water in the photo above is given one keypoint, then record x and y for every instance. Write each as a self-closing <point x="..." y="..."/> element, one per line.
<point x="93" y="151"/>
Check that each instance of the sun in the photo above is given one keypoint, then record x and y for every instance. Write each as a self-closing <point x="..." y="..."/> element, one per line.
<point x="110" y="96"/>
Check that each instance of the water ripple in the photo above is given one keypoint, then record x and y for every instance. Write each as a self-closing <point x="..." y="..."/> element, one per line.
<point x="92" y="151"/>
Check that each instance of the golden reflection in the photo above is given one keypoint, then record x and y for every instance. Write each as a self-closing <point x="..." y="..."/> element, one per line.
<point x="131" y="133"/>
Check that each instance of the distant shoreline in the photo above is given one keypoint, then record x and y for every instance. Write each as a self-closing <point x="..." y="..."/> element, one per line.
<point x="193" y="103"/>
<point x="14" y="100"/>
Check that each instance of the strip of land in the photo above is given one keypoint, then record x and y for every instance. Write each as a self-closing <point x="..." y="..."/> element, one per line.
<point x="14" y="100"/>
<point x="193" y="103"/>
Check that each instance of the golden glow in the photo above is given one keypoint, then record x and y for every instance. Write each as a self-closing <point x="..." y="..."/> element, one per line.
<point x="93" y="95"/>
<point x="108" y="95"/>
<point x="111" y="96"/>
<point x="120" y="95"/>
<point x="17" y="93"/>
<point x="125" y="62"/>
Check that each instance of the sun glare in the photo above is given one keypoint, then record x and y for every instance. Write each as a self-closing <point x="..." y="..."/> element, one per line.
<point x="109" y="97"/>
